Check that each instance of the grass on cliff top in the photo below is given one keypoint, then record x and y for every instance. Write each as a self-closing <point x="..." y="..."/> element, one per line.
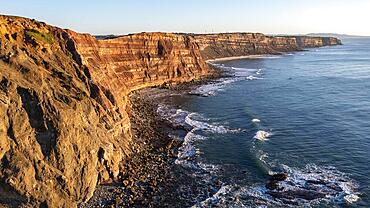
<point x="39" y="36"/>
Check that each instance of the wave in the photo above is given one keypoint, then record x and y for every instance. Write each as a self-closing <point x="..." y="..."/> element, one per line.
<point x="195" y="123"/>
<point x="200" y="125"/>
<point x="212" y="88"/>
<point x="188" y="150"/>
<point x="312" y="186"/>
<point x="218" y="198"/>
<point x="262" y="135"/>
<point x="251" y="77"/>
<point x="235" y="74"/>
<point x="256" y="120"/>
<point x="259" y="71"/>
<point x="174" y="116"/>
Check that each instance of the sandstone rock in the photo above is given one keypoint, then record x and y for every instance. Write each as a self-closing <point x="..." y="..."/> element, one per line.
<point x="63" y="97"/>
<point x="214" y="46"/>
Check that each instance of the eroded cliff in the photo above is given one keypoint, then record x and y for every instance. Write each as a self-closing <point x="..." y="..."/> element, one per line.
<point x="63" y="99"/>
<point x="214" y="46"/>
<point x="64" y="125"/>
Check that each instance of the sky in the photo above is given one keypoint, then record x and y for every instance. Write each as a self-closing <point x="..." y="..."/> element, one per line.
<point x="198" y="16"/>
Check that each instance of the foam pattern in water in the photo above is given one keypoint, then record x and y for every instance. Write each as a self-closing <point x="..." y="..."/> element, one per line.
<point x="198" y="126"/>
<point x="311" y="186"/>
<point x="234" y="74"/>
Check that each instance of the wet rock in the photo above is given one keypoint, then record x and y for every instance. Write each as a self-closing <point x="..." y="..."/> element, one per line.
<point x="273" y="182"/>
<point x="299" y="193"/>
<point x="272" y="185"/>
<point x="279" y="177"/>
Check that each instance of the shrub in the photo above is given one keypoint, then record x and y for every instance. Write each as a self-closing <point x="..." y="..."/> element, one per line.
<point x="39" y="36"/>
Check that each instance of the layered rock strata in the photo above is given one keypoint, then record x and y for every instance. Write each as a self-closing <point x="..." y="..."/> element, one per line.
<point x="64" y="126"/>
<point x="63" y="98"/>
<point x="214" y="46"/>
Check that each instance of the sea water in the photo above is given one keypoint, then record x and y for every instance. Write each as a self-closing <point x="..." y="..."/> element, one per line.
<point x="306" y="114"/>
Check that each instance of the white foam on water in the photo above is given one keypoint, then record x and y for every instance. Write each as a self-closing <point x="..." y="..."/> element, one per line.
<point x="256" y="120"/>
<point x="201" y="125"/>
<point x="175" y="116"/>
<point x="212" y="88"/>
<point x="217" y="198"/>
<point x="236" y="73"/>
<point x="251" y="77"/>
<point x="188" y="152"/>
<point x="351" y="198"/>
<point x="259" y="71"/>
<point x="263" y="157"/>
<point x="308" y="187"/>
<point x="311" y="186"/>
<point x="262" y="135"/>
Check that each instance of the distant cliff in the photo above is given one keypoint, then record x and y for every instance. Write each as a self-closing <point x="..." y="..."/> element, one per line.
<point x="64" y="126"/>
<point x="241" y="44"/>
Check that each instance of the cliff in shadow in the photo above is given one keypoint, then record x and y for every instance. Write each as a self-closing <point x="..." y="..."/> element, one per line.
<point x="64" y="126"/>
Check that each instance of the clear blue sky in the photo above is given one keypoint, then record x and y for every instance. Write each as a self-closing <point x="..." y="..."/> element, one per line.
<point x="199" y="16"/>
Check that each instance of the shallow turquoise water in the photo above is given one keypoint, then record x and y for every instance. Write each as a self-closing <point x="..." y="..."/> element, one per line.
<point x="315" y="106"/>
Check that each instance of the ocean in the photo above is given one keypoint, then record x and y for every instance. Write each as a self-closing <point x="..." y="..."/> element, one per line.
<point x="305" y="114"/>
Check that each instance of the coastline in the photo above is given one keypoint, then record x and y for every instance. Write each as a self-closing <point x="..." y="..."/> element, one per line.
<point x="155" y="166"/>
<point x="145" y="170"/>
<point x="210" y="61"/>
<point x="85" y="105"/>
<point x="151" y="176"/>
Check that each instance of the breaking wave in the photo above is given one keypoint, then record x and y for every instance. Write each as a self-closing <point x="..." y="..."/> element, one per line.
<point x="256" y="120"/>
<point x="197" y="128"/>
<point x="234" y="74"/>
<point x="262" y="135"/>
<point x="312" y="186"/>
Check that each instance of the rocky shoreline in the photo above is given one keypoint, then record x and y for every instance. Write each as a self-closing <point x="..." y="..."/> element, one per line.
<point x="151" y="176"/>
<point x="142" y="182"/>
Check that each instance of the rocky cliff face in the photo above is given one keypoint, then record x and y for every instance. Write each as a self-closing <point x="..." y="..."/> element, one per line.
<point x="63" y="99"/>
<point x="64" y="125"/>
<point x="241" y="44"/>
<point x="310" y="42"/>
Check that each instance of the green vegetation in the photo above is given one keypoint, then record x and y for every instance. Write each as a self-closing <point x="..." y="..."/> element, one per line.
<point x="39" y="36"/>
<point x="80" y="95"/>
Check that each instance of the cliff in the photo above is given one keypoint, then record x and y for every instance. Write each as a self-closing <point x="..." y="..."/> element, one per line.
<point x="63" y="98"/>
<point x="311" y="42"/>
<point x="64" y="126"/>
<point x="214" y="46"/>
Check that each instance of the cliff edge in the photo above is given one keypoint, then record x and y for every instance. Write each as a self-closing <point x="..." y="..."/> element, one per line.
<point x="213" y="46"/>
<point x="64" y="126"/>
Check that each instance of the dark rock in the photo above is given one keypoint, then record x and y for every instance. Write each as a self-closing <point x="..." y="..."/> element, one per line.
<point x="279" y="177"/>
<point x="272" y="185"/>
<point x="299" y="193"/>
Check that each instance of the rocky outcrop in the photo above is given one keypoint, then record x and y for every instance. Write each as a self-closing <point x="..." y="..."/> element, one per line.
<point x="64" y="126"/>
<point x="311" y="42"/>
<point x="214" y="46"/>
